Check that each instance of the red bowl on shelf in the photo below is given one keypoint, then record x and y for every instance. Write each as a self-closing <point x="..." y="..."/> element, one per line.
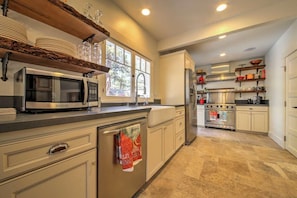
<point x="256" y="61"/>
<point x="240" y="78"/>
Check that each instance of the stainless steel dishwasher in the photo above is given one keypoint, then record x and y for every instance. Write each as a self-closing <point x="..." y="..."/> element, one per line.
<point x="113" y="182"/>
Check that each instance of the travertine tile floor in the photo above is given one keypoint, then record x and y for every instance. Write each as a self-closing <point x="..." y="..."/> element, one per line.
<point x="221" y="164"/>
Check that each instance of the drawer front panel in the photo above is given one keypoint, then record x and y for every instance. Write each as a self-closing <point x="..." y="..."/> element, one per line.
<point x="23" y="156"/>
<point x="180" y="139"/>
<point x="179" y="124"/>
<point x="251" y="108"/>
<point x="179" y="112"/>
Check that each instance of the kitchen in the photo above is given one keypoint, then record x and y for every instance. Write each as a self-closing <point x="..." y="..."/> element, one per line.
<point x="148" y="46"/>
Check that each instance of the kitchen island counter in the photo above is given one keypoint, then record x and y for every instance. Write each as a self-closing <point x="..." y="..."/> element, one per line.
<point x="28" y="121"/>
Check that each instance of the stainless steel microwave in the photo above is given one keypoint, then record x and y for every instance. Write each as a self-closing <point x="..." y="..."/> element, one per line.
<point x="37" y="90"/>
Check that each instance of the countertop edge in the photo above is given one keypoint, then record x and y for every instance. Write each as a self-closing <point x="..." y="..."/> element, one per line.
<point x="64" y="118"/>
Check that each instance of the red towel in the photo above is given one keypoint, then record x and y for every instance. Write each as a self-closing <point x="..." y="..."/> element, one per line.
<point x="129" y="147"/>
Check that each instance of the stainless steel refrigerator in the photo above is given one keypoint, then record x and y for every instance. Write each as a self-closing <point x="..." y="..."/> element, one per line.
<point x="190" y="106"/>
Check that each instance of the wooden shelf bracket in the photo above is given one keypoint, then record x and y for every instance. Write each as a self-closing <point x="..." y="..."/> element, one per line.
<point x="90" y="38"/>
<point x="4" y="7"/>
<point x="4" y="61"/>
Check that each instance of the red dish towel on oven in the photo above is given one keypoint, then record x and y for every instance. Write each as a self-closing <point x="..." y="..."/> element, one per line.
<point x="129" y="147"/>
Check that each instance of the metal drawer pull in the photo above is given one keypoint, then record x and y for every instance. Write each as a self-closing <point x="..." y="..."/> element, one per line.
<point x="58" y="148"/>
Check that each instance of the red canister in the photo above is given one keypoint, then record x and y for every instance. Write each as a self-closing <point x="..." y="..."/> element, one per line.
<point x="201" y="101"/>
<point x="263" y="73"/>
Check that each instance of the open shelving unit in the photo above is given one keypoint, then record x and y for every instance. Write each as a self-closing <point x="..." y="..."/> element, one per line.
<point x="61" y="16"/>
<point x="255" y="67"/>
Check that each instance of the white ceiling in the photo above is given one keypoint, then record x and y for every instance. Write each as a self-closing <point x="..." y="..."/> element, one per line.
<point x="194" y="25"/>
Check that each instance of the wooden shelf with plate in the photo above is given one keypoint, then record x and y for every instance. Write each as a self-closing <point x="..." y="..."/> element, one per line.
<point x="23" y="52"/>
<point x="61" y="16"/>
<point x="256" y="67"/>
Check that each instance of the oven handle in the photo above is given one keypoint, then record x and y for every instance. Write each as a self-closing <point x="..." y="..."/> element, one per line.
<point x="86" y="91"/>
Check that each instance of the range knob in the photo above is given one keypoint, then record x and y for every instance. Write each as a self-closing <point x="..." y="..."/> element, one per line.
<point x="227" y="107"/>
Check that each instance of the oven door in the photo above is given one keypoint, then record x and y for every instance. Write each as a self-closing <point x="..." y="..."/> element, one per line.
<point x="220" y="118"/>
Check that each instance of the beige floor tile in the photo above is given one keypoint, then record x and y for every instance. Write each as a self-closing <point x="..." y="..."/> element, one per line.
<point x="221" y="163"/>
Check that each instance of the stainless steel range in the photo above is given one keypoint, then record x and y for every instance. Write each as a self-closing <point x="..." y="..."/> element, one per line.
<point x="220" y="116"/>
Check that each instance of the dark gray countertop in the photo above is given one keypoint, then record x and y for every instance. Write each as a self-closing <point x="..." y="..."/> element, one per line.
<point x="27" y="121"/>
<point x="252" y="105"/>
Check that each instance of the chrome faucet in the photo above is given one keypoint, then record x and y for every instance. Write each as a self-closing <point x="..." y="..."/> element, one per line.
<point x="144" y="91"/>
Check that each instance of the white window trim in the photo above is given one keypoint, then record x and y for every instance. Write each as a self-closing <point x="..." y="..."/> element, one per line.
<point x="118" y="99"/>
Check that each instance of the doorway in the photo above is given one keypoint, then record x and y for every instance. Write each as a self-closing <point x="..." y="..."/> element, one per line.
<point x="291" y="103"/>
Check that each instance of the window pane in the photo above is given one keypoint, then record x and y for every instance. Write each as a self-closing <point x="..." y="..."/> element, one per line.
<point x="148" y="67"/>
<point x="128" y="58"/>
<point x="119" y="54"/>
<point x="118" y="81"/>
<point x="110" y="50"/>
<point x="142" y="65"/>
<point x="137" y="62"/>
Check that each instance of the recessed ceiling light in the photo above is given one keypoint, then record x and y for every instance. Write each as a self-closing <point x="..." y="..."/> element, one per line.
<point x="223" y="54"/>
<point x="221" y="7"/>
<point x="222" y="36"/>
<point x="145" y="11"/>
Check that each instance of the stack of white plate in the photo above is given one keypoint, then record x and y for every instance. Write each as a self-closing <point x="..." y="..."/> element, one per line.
<point x="57" y="45"/>
<point x="12" y="29"/>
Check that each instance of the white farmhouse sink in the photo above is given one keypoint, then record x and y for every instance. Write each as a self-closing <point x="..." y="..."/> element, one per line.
<point x="159" y="114"/>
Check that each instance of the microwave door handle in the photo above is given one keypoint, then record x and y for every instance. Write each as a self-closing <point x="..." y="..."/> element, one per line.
<point x="86" y="91"/>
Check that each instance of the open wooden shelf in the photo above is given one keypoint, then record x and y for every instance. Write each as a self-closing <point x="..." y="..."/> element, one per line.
<point x="200" y="73"/>
<point x="249" y="68"/>
<point x="23" y="52"/>
<point x="246" y="80"/>
<point x="250" y="91"/>
<point x="61" y="16"/>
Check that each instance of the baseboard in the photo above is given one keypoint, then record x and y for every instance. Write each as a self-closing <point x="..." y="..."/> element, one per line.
<point x="277" y="140"/>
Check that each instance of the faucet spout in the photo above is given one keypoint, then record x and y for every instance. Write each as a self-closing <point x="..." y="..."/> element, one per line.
<point x="144" y="84"/>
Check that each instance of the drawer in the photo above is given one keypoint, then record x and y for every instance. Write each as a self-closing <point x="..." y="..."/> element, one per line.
<point x="251" y="108"/>
<point x="179" y="112"/>
<point x="179" y="124"/>
<point x="180" y="139"/>
<point x="23" y="156"/>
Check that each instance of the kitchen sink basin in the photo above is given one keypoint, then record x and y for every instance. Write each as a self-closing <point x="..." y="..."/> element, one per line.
<point x="160" y="114"/>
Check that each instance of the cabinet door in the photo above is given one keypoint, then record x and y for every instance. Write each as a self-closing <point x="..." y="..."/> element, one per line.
<point x="154" y="151"/>
<point x="169" y="141"/>
<point x="74" y="177"/>
<point x="259" y="121"/>
<point x="201" y="117"/>
<point x="243" y="120"/>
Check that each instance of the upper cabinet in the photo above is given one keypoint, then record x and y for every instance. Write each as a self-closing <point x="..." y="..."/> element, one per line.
<point x="61" y="16"/>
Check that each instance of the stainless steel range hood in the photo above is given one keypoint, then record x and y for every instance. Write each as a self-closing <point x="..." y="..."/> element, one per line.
<point x="220" y="77"/>
<point x="220" y="72"/>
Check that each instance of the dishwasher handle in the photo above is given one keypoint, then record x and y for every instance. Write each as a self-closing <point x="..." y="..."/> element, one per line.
<point x="111" y="132"/>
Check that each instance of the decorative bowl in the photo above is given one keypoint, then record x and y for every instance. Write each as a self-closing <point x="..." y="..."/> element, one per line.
<point x="256" y="61"/>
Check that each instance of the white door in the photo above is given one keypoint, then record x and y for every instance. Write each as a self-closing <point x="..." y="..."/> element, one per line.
<point x="291" y="107"/>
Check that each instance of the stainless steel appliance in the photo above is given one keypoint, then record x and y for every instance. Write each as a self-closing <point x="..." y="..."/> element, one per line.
<point x="190" y="106"/>
<point x="220" y="116"/>
<point x="220" y="109"/>
<point x="112" y="180"/>
<point x="38" y="90"/>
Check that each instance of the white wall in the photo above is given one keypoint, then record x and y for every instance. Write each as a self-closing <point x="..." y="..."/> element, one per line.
<point x="121" y="27"/>
<point x="275" y="61"/>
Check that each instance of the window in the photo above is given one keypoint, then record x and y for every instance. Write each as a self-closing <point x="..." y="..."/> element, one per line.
<point x="143" y="66"/>
<point x="118" y="80"/>
<point x="124" y="63"/>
